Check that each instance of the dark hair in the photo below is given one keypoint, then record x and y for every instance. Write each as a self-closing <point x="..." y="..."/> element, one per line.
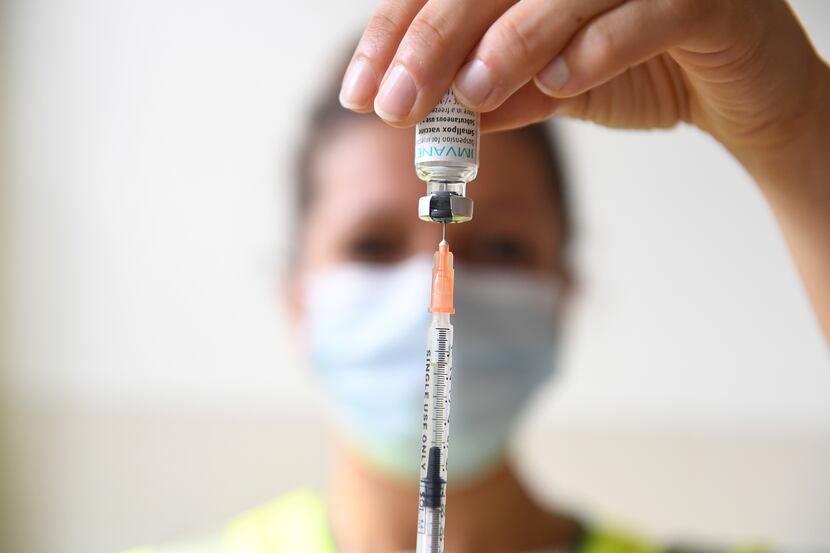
<point x="328" y="114"/>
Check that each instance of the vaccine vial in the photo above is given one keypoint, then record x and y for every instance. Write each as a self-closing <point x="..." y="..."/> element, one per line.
<point x="446" y="157"/>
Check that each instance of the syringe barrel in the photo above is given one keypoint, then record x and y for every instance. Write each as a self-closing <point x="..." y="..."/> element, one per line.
<point x="435" y="435"/>
<point x="437" y="387"/>
<point x="431" y="540"/>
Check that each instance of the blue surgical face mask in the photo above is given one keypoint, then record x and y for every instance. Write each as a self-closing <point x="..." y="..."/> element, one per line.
<point x="367" y="329"/>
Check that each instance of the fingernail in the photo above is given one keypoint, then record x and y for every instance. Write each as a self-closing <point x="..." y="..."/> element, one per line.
<point x="474" y="82"/>
<point x="359" y="84"/>
<point x="553" y="76"/>
<point x="397" y="95"/>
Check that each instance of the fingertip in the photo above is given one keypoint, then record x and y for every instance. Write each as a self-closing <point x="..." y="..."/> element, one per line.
<point x="554" y="78"/>
<point x="465" y="101"/>
<point x="474" y="84"/>
<point x="391" y="119"/>
<point x="527" y="106"/>
<point x="360" y="84"/>
<point x="357" y="108"/>
<point x="396" y="98"/>
<point x="386" y="116"/>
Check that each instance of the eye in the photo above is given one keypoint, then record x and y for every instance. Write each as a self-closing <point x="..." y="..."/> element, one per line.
<point x="503" y="250"/>
<point x="374" y="248"/>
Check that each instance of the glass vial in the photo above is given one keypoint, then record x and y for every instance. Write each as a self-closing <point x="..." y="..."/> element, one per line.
<point x="446" y="147"/>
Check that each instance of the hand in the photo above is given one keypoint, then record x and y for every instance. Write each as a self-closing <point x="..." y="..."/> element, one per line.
<point x="742" y="70"/>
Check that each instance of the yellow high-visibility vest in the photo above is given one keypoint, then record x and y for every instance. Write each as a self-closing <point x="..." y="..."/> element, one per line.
<point x="297" y="523"/>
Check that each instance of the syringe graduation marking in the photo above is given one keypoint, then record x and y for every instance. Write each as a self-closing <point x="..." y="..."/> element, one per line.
<point x="440" y="375"/>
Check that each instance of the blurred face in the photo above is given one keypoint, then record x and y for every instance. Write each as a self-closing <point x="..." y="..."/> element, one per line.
<point x="365" y="205"/>
<point x="363" y="287"/>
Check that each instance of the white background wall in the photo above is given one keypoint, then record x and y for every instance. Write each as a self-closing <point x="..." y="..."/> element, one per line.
<point x="148" y="206"/>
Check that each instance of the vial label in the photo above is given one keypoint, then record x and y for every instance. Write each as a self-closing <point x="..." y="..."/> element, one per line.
<point x="448" y="134"/>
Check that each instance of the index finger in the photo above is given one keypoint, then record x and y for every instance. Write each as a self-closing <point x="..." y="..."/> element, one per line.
<point x="377" y="45"/>
<point x="430" y="53"/>
<point x="419" y="56"/>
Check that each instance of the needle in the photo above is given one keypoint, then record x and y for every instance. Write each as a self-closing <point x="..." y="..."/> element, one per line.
<point x="443" y="231"/>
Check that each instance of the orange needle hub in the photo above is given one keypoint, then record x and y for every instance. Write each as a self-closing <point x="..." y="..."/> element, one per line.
<point x="442" y="280"/>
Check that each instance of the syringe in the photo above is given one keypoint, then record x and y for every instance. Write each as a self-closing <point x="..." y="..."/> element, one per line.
<point x="446" y="157"/>
<point x="436" y="414"/>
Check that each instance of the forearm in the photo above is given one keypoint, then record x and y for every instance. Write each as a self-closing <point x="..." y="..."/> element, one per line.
<point x="795" y="179"/>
